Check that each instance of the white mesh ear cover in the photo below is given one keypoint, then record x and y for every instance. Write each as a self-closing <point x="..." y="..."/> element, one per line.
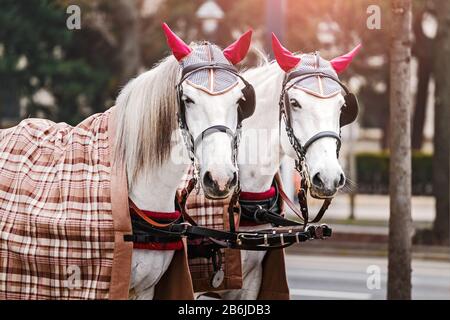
<point x="211" y="81"/>
<point x="319" y="86"/>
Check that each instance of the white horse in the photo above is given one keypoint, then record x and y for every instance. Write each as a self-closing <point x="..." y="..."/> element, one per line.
<point x="147" y="117"/>
<point x="311" y="113"/>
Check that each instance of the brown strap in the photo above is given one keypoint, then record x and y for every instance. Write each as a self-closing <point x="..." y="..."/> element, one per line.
<point x="182" y="200"/>
<point x="303" y="214"/>
<point x="141" y="214"/>
<point x="290" y="204"/>
<point x="322" y="210"/>
<point x="233" y="201"/>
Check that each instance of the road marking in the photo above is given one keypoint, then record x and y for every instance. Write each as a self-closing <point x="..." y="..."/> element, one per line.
<point x="331" y="294"/>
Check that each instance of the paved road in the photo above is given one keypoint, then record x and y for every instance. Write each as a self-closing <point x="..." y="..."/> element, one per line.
<point x="374" y="207"/>
<point x="320" y="277"/>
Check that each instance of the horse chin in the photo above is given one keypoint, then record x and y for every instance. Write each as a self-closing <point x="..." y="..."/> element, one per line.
<point x="214" y="195"/>
<point x="321" y="194"/>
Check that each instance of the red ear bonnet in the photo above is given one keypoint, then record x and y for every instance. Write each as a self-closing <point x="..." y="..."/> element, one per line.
<point x="341" y="63"/>
<point x="237" y="51"/>
<point x="286" y="60"/>
<point x="179" y="48"/>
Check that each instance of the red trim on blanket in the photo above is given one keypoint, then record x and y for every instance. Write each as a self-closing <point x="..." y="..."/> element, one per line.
<point x="175" y="245"/>
<point x="163" y="215"/>
<point x="258" y="195"/>
<point x="178" y="245"/>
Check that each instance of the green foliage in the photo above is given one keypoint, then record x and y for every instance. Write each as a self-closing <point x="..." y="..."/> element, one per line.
<point x="373" y="172"/>
<point x="35" y="30"/>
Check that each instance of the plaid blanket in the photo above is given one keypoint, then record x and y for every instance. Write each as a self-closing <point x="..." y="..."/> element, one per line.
<point x="211" y="214"/>
<point x="61" y="232"/>
<point x="214" y="214"/>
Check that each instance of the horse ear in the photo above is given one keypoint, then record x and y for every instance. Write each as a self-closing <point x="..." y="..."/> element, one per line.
<point x="286" y="60"/>
<point x="179" y="48"/>
<point x="341" y="63"/>
<point x="237" y="51"/>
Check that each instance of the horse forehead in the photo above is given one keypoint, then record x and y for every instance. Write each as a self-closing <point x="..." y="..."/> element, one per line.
<point x="204" y="96"/>
<point x="213" y="81"/>
<point x="307" y="99"/>
<point x="322" y="87"/>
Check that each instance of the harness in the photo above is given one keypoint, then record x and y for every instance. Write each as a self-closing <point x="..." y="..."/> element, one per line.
<point x="286" y="232"/>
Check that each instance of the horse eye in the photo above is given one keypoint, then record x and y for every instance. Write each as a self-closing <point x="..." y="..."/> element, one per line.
<point x="295" y="103"/>
<point x="188" y="100"/>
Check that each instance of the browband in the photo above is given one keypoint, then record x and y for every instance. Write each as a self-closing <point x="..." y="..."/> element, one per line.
<point x="302" y="76"/>
<point x="188" y="70"/>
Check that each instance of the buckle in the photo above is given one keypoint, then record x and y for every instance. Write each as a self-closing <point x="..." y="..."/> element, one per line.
<point x="255" y="215"/>
<point x="311" y="231"/>
<point x="266" y="240"/>
<point x="181" y="227"/>
<point x="242" y="235"/>
<point x="318" y="233"/>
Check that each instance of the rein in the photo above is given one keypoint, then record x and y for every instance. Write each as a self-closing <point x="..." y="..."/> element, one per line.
<point x="275" y="238"/>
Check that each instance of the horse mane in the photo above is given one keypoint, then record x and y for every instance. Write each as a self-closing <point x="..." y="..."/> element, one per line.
<point x="146" y="118"/>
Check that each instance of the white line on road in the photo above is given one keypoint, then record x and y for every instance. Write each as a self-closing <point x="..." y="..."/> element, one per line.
<point x="331" y="294"/>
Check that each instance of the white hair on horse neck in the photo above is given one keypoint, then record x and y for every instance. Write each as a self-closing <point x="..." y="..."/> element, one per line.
<point x="147" y="108"/>
<point x="267" y="73"/>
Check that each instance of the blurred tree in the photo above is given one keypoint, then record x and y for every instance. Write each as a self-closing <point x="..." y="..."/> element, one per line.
<point x="36" y="45"/>
<point x="421" y="49"/>
<point x="441" y="161"/>
<point x="335" y="27"/>
<point x="400" y="222"/>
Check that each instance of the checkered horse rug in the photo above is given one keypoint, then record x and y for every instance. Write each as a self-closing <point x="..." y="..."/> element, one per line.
<point x="61" y="231"/>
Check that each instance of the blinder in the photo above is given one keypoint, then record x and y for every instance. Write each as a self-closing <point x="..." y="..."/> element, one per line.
<point x="350" y="109"/>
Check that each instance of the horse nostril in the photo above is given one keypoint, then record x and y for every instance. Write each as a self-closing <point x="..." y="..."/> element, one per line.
<point x="341" y="181"/>
<point x="317" y="181"/>
<point x="234" y="180"/>
<point x="207" y="179"/>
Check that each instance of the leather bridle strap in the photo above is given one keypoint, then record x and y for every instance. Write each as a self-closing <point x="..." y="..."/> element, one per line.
<point x="320" y="135"/>
<point x="264" y="216"/>
<point x="211" y="130"/>
<point x="291" y="205"/>
<point x="303" y="213"/>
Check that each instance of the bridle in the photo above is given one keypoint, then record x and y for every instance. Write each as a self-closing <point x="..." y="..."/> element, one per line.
<point x="246" y="107"/>
<point x="349" y="112"/>
<point x="285" y="112"/>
